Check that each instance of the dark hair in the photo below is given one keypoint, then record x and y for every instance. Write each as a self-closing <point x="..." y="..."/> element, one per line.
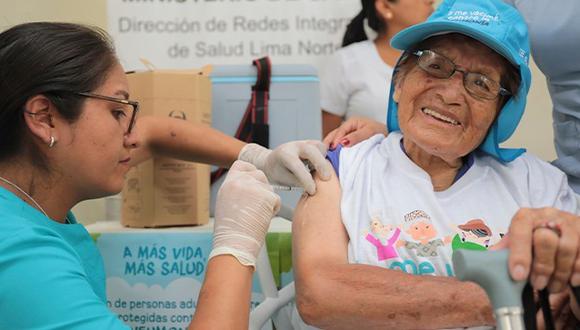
<point x="510" y="79"/>
<point x="52" y="59"/>
<point x="355" y="30"/>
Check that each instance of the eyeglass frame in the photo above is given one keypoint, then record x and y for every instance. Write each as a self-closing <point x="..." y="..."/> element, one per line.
<point x="134" y="104"/>
<point x="501" y="92"/>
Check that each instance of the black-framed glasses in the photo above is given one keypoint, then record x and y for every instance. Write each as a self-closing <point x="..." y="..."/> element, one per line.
<point x="131" y="107"/>
<point x="477" y="84"/>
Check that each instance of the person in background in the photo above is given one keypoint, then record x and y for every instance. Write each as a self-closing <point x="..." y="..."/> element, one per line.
<point x="68" y="133"/>
<point x="554" y="47"/>
<point x="356" y="78"/>
<point x="555" y="35"/>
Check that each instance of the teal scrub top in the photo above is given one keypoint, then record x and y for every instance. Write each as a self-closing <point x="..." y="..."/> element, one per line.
<point x="51" y="274"/>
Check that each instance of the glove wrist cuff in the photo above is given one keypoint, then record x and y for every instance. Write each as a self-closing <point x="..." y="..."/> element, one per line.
<point x="243" y="258"/>
<point x="254" y="154"/>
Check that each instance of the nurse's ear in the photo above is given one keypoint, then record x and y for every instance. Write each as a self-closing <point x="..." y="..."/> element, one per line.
<point x="39" y="113"/>
<point x="384" y="10"/>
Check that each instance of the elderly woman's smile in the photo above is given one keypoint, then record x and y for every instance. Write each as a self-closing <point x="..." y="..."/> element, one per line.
<point x="441" y="115"/>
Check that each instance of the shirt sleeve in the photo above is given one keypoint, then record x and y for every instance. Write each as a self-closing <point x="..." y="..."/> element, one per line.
<point x="549" y="186"/>
<point x="334" y="157"/>
<point x="334" y="92"/>
<point x="44" y="286"/>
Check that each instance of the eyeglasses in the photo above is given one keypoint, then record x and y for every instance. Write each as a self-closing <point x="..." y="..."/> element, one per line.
<point x="477" y="84"/>
<point x="131" y="107"/>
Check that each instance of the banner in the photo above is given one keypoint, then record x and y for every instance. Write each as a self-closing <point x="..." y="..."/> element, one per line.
<point x="192" y="33"/>
<point x="154" y="279"/>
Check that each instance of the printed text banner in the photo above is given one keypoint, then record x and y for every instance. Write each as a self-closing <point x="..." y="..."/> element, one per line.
<point x="193" y="33"/>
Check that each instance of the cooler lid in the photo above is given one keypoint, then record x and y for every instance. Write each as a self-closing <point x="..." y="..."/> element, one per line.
<point x="247" y="73"/>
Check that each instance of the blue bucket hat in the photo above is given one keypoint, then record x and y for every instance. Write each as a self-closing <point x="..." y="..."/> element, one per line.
<point x="500" y="27"/>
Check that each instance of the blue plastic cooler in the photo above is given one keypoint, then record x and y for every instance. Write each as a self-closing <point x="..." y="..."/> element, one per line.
<point x="294" y="107"/>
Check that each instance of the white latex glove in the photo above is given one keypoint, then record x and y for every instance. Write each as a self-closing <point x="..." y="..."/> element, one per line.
<point x="245" y="205"/>
<point x="285" y="164"/>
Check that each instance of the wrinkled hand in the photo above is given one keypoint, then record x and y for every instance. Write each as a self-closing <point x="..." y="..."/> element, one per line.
<point x="285" y="164"/>
<point x="554" y="238"/>
<point x="245" y="205"/>
<point x="353" y="131"/>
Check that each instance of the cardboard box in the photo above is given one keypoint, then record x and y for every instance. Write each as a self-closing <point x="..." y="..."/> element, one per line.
<point x="163" y="191"/>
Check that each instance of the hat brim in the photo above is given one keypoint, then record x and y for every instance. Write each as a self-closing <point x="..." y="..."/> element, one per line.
<point x="413" y="35"/>
<point x="510" y="115"/>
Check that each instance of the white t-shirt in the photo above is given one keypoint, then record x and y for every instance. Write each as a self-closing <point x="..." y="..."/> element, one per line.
<point x="395" y="220"/>
<point x="355" y="82"/>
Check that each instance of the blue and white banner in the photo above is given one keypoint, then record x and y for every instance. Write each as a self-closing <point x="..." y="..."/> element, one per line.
<point x="192" y="33"/>
<point x="154" y="279"/>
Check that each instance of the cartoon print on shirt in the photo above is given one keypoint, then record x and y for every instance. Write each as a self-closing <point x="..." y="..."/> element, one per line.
<point x="472" y="235"/>
<point x="383" y="233"/>
<point x="419" y="226"/>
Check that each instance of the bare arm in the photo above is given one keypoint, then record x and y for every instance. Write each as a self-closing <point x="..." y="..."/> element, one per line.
<point x="330" y="122"/>
<point x="224" y="299"/>
<point x="331" y="293"/>
<point x="245" y="205"/>
<point x="176" y="138"/>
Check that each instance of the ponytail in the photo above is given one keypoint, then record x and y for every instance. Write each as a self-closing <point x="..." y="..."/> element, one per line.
<point x="355" y="31"/>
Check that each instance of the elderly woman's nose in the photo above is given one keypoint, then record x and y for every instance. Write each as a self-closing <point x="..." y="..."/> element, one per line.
<point x="452" y="90"/>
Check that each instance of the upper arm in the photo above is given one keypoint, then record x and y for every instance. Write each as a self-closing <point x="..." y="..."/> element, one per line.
<point x="45" y="286"/>
<point x="185" y="140"/>
<point x="319" y="247"/>
<point x="329" y="122"/>
<point x="318" y="235"/>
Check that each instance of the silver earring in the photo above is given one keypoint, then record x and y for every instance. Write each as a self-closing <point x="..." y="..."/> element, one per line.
<point x="52" y="142"/>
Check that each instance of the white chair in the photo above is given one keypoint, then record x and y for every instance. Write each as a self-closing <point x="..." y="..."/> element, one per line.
<point x="274" y="301"/>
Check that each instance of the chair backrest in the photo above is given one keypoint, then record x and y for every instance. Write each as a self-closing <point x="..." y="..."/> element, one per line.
<point x="274" y="300"/>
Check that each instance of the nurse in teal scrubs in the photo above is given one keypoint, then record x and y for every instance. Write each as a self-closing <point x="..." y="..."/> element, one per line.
<point x="68" y="134"/>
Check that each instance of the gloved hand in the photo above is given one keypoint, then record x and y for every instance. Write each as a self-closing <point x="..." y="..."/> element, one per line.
<point x="245" y="205"/>
<point x="284" y="165"/>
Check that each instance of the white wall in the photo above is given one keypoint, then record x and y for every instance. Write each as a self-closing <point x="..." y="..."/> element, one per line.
<point x="535" y="132"/>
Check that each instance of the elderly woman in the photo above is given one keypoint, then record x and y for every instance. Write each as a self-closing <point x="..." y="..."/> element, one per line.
<point x="460" y="90"/>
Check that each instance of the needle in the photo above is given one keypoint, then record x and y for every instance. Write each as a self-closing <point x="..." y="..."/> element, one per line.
<point x="308" y="167"/>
